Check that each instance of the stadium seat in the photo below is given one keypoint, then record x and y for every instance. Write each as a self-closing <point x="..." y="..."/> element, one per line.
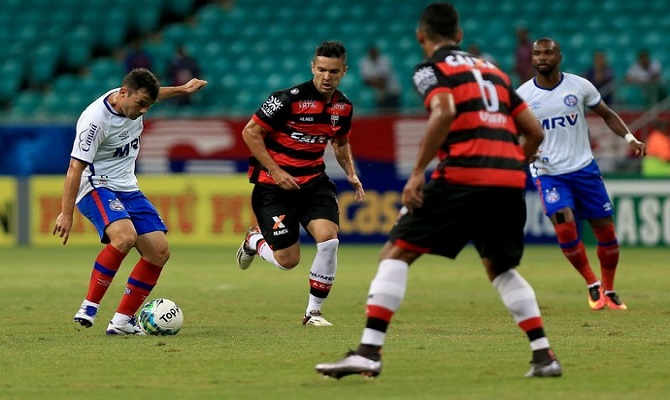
<point x="115" y="31"/>
<point x="12" y="74"/>
<point x="43" y="63"/>
<point x="277" y="44"/>
<point x="25" y="104"/>
<point x="175" y="34"/>
<point x="179" y="8"/>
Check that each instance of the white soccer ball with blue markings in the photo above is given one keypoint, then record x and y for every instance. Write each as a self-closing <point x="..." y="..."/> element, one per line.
<point x="161" y="317"/>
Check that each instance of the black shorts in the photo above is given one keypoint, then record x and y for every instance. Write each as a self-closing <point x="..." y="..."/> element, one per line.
<point x="281" y="212"/>
<point x="491" y="218"/>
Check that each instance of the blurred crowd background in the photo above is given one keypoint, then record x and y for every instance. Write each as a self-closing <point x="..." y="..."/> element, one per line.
<point x="54" y="60"/>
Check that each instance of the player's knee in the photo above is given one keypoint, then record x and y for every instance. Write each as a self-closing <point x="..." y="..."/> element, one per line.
<point x="124" y="240"/>
<point x="162" y="256"/>
<point x="287" y="261"/>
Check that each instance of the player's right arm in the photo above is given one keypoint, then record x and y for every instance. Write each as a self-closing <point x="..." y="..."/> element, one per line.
<point x="253" y="134"/>
<point x="91" y="132"/>
<point x="70" y="189"/>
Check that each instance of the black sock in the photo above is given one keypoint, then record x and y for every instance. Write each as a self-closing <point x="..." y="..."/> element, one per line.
<point x="370" y="351"/>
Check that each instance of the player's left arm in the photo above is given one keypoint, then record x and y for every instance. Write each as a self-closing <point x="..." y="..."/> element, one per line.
<point x="343" y="155"/>
<point x="616" y="124"/>
<point x="191" y="86"/>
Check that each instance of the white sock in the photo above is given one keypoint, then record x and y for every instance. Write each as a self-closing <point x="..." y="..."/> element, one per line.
<point x="322" y="273"/>
<point x="120" y="319"/>
<point x="254" y="239"/>
<point x="517" y="295"/>
<point x="87" y="303"/>
<point x="266" y="253"/>
<point x="387" y="291"/>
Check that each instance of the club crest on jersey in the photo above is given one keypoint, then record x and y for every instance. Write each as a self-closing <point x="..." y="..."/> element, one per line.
<point x="551" y="196"/>
<point x="116" y="205"/>
<point x="333" y="119"/>
<point x="295" y="90"/>
<point x="570" y="100"/>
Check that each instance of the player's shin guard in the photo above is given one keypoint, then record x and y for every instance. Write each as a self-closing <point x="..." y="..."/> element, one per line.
<point x="322" y="273"/>
<point x="386" y="293"/>
<point x="107" y="263"/>
<point x="608" y="254"/>
<point x="519" y="298"/>
<point x="141" y="282"/>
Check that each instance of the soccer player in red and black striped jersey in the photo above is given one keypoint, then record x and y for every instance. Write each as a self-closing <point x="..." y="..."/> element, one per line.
<point x="482" y="134"/>
<point x="287" y="137"/>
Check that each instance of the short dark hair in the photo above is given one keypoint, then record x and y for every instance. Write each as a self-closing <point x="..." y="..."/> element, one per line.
<point x="331" y="49"/>
<point x="547" y="39"/>
<point x="439" y="20"/>
<point x="142" y="78"/>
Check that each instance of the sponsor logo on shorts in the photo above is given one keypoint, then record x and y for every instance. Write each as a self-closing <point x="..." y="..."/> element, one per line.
<point x="279" y="228"/>
<point x="116" y="205"/>
<point x="278" y="222"/>
<point x="607" y="206"/>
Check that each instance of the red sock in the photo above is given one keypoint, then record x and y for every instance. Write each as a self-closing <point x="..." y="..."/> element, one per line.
<point x="573" y="248"/>
<point x="608" y="254"/>
<point x="531" y="324"/>
<point x="105" y="267"/>
<point x="141" y="281"/>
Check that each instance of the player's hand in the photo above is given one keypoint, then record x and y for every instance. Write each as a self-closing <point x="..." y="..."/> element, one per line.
<point x="358" y="187"/>
<point x="63" y="226"/>
<point x="639" y="148"/>
<point x="284" y="180"/>
<point x="412" y="193"/>
<point x="193" y="85"/>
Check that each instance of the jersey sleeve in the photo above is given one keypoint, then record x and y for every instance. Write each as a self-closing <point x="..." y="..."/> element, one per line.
<point x="428" y="81"/>
<point x="346" y="123"/>
<point x="516" y="103"/>
<point x="90" y="133"/>
<point x="591" y="94"/>
<point x="272" y="113"/>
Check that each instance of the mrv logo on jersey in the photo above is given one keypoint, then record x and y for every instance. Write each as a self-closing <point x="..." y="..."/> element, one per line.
<point x="562" y="120"/>
<point x="125" y="150"/>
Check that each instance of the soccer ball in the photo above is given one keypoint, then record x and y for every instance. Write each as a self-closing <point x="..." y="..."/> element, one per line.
<point x="161" y="317"/>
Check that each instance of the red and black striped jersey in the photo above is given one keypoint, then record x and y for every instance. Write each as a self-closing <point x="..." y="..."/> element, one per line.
<point x="482" y="147"/>
<point x="300" y="123"/>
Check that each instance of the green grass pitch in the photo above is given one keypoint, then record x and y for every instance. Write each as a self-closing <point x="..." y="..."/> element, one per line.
<point x="242" y="337"/>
